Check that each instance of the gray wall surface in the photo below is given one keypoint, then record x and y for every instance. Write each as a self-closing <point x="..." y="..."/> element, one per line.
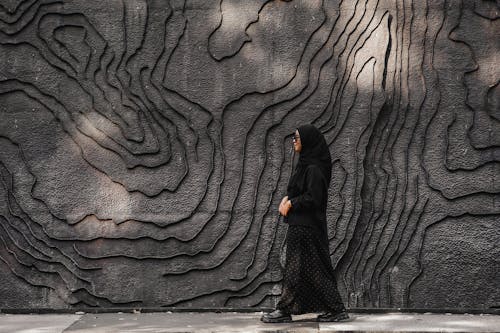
<point x="145" y="146"/>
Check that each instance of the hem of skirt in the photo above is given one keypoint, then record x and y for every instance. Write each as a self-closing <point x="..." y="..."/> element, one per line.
<point x="297" y="313"/>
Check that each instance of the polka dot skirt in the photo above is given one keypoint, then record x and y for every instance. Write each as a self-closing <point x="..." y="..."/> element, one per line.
<point x="308" y="282"/>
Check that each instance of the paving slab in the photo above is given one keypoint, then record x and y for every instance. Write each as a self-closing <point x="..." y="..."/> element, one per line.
<point x="36" y="323"/>
<point x="401" y="322"/>
<point x="185" y="322"/>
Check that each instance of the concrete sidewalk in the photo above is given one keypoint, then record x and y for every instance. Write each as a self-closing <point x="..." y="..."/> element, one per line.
<point x="241" y="322"/>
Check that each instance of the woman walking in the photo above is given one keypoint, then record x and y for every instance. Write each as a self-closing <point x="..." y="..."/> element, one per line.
<point x="308" y="282"/>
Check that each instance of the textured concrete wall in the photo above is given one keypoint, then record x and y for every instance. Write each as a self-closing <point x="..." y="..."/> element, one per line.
<point x="145" y="145"/>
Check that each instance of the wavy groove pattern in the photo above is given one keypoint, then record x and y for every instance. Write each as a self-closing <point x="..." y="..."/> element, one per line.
<point x="144" y="146"/>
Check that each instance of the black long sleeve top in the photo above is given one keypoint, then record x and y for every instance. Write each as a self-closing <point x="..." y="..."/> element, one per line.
<point x="309" y="197"/>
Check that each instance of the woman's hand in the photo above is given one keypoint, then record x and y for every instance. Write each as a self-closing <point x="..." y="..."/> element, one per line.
<point x="285" y="206"/>
<point x="282" y="204"/>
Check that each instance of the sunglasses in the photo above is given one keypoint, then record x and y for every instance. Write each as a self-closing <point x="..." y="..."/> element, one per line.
<point x="296" y="138"/>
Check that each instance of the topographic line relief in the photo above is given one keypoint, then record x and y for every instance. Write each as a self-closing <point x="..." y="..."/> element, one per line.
<point x="146" y="145"/>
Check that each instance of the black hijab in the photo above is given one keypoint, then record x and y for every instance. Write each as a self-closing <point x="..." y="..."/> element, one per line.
<point x="314" y="151"/>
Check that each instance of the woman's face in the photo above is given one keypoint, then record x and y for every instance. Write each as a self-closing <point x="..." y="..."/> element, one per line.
<point x="297" y="145"/>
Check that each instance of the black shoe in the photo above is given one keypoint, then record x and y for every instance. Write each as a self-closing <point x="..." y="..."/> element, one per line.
<point x="333" y="316"/>
<point x="277" y="316"/>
